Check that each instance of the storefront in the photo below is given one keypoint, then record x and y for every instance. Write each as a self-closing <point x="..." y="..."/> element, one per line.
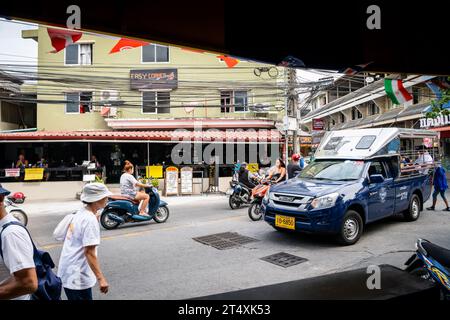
<point x="65" y="152"/>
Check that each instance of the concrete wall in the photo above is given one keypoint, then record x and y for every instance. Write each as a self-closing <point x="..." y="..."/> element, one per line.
<point x="67" y="190"/>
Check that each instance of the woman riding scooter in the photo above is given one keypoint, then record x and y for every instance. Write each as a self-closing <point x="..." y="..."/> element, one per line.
<point x="129" y="187"/>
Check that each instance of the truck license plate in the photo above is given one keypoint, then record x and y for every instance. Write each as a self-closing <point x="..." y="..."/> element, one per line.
<point x="285" y="222"/>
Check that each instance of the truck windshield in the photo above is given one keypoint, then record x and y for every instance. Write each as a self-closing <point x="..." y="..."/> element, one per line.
<point x="336" y="170"/>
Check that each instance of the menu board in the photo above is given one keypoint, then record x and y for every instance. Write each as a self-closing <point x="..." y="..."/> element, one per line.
<point x="171" y="181"/>
<point x="186" y="175"/>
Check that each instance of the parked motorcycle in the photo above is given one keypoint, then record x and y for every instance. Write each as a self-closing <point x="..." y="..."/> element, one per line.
<point x="258" y="194"/>
<point x="10" y="206"/>
<point x="123" y="209"/>
<point x="239" y="194"/>
<point x="431" y="262"/>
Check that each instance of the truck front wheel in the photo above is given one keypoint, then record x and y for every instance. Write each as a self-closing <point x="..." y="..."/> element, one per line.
<point x="351" y="228"/>
<point x="413" y="212"/>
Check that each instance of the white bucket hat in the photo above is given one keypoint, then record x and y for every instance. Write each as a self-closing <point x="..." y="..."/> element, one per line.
<point x="93" y="192"/>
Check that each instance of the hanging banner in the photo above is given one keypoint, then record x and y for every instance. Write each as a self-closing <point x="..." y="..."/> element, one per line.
<point x="34" y="174"/>
<point x="12" y="172"/>
<point x="155" y="172"/>
<point x="253" y="167"/>
<point x="186" y="176"/>
<point x="171" y="181"/>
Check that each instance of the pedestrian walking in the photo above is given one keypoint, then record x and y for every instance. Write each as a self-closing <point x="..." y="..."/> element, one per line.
<point x="79" y="267"/>
<point x="17" y="254"/>
<point x="440" y="185"/>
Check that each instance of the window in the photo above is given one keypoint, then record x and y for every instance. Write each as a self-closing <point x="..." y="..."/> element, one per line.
<point x="416" y="95"/>
<point x="322" y="100"/>
<point x="156" y="102"/>
<point x="155" y="53"/>
<point x="356" y="114"/>
<point x="11" y="113"/>
<point x="333" y="122"/>
<point x="365" y="142"/>
<point x="342" y="117"/>
<point x="78" y="102"/>
<point x="377" y="168"/>
<point x="233" y="101"/>
<point x="373" y="109"/>
<point x="79" y="54"/>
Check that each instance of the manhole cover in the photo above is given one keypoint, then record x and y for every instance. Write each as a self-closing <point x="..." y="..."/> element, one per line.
<point x="284" y="259"/>
<point x="224" y="240"/>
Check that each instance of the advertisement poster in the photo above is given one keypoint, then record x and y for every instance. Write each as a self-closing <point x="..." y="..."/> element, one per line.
<point x="34" y="174"/>
<point x="171" y="181"/>
<point x="186" y="175"/>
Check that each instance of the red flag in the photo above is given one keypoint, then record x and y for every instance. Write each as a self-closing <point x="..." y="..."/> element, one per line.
<point x="104" y="111"/>
<point x="62" y="38"/>
<point x="231" y="62"/>
<point x="125" y="44"/>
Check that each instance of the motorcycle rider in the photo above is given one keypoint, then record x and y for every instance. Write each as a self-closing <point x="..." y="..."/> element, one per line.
<point x="129" y="187"/>
<point x="245" y="176"/>
<point x="294" y="167"/>
<point x="279" y="172"/>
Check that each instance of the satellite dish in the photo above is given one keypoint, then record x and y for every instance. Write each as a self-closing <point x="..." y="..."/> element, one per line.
<point x="370" y="79"/>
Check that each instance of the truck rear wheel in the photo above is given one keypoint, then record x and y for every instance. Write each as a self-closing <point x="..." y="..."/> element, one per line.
<point x="351" y="228"/>
<point x="413" y="212"/>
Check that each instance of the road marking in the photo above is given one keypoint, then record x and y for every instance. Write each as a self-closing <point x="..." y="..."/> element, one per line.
<point x="138" y="233"/>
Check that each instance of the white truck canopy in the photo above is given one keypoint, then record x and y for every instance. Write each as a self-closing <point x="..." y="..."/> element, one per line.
<point x="362" y="144"/>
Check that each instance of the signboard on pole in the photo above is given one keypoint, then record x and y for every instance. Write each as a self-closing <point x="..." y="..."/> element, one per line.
<point x="318" y="124"/>
<point x="34" y="174"/>
<point x="186" y="176"/>
<point x="171" y="181"/>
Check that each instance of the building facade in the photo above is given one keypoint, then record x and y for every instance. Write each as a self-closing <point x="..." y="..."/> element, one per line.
<point x="138" y="103"/>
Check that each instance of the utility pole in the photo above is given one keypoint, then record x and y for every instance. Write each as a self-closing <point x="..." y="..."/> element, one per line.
<point x="290" y="100"/>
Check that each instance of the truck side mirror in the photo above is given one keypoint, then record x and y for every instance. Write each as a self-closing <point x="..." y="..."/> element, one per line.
<point x="376" y="178"/>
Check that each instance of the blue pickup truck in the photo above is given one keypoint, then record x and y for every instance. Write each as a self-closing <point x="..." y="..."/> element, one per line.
<point x="357" y="177"/>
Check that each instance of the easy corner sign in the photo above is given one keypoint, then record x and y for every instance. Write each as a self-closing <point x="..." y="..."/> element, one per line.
<point x="318" y="124"/>
<point x="154" y="79"/>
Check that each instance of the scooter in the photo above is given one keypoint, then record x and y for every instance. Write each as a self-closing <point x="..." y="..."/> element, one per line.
<point x="10" y="206"/>
<point x="239" y="194"/>
<point x="123" y="209"/>
<point x="431" y="262"/>
<point x="258" y="194"/>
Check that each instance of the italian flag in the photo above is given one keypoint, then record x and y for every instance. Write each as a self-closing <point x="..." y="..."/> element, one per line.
<point x="396" y="91"/>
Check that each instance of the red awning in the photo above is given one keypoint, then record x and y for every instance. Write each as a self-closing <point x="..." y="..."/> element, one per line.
<point x="159" y="135"/>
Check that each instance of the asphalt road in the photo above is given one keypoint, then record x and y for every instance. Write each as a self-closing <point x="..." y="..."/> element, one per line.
<point x="161" y="261"/>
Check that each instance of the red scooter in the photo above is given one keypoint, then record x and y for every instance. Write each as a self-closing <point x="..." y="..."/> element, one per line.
<point x="258" y="194"/>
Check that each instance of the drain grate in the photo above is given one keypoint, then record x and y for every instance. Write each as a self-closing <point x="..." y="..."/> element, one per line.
<point x="225" y="240"/>
<point x="284" y="259"/>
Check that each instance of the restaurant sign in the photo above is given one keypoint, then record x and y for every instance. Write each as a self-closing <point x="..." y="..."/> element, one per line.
<point x="439" y="121"/>
<point x="154" y="79"/>
<point x="318" y="124"/>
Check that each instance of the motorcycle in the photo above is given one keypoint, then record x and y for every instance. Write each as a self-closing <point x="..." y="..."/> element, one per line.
<point x="123" y="209"/>
<point x="10" y="206"/>
<point x="258" y="194"/>
<point x="239" y="194"/>
<point x="431" y="262"/>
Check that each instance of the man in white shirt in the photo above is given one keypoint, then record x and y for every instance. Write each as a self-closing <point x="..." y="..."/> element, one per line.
<point x="424" y="159"/>
<point x="17" y="250"/>
<point x="79" y="268"/>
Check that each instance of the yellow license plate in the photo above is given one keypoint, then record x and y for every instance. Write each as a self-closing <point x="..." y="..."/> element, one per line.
<point x="285" y="222"/>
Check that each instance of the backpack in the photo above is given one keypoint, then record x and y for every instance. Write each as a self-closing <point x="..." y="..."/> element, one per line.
<point x="49" y="284"/>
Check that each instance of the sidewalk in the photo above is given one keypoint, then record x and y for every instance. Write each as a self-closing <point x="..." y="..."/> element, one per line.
<point x="34" y="208"/>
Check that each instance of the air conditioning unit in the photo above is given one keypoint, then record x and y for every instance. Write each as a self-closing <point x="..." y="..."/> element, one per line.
<point x="109" y="95"/>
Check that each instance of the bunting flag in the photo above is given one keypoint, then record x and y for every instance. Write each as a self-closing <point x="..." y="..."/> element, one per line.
<point x="436" y="90"/>
<point x="396" y="92"/>
<point x="61" y="38"/>
<point x="350" y="71"/>
<point x="231" y="62"/>
<point x="125" y="44"/>
<point x="104" y="111"/>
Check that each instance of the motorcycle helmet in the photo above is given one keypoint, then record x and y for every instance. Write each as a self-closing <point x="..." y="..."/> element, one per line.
<point x="17" y="197"/>
<point x="295" y="157"/>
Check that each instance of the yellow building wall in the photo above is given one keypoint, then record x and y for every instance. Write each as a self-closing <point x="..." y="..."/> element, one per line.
<point x="111" y="72"/>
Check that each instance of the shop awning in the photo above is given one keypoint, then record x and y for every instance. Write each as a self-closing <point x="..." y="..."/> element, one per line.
<point x="176" y="136"/>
